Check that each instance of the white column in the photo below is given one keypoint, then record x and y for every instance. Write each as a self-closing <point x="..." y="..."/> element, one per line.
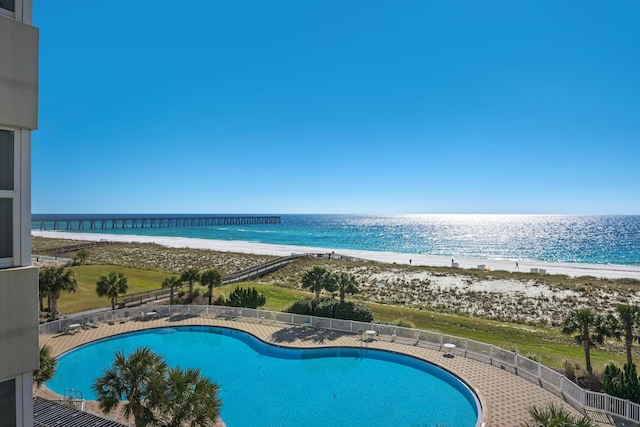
<point x="27" y="399"/>
<point x="24" y="400"/>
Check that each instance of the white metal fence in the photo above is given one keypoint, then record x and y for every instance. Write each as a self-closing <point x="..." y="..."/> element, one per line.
<point x="487" y="353"/>
<point x="50" y="260"/>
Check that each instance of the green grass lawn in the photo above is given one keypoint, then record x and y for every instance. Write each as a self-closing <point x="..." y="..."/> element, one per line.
<point x="546" y="345"/>
<point x="277" y="298"/>
<point x="86" y="298"/>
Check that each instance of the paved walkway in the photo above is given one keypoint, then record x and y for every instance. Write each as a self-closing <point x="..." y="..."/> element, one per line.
<point x="505" y="397"/>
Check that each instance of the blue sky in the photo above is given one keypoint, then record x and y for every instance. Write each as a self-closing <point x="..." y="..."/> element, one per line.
<point x="205" y="106"/>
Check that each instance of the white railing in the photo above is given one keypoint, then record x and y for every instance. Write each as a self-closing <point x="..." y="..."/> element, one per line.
<point x="519" y="365"/>
<point x="45" y="259"/>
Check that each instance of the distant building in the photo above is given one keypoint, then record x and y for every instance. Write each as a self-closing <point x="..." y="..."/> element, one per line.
<point x="18" y="278"/>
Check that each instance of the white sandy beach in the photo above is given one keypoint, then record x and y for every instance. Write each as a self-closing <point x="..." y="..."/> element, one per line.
<point x="595" y="270"/>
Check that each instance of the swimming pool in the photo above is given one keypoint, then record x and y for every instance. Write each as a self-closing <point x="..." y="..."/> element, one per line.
<point x="266" y="385"/>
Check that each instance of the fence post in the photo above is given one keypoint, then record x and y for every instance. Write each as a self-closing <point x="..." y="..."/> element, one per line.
<point x="626" y="409"/>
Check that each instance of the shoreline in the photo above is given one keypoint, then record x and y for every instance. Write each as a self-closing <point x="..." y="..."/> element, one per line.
<point x="607" y="271"/>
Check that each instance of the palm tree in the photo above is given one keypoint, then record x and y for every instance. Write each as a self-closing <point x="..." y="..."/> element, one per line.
<point x="57" y="280"/>
<point x="591" y="329"/>
<point x="112" y="285"/>
<point x="556" y="416"/>
<point x="211" y="278"/>
<point x="346" y="285"/>
<point x="171" y="283"/>
<point x="43" y="291"/>
<point x="81" y="257"/>
<point x="317" y="279"/>
<point x="190" y="275"/>
<point x="135" y="379"/>
<point x="46" y="368"/>
<point x="628" y="319"/>
<point x="187" y="399"/>
<point x="157" y="395"/>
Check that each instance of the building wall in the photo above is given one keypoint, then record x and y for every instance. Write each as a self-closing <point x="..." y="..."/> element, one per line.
<point x="19" y="338"/>
<point x="18" y="279"/>
<point x="19" y="78"/>
<point x="18" y="321"/>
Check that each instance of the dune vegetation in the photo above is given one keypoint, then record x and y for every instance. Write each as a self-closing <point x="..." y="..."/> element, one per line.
<point x="521" y="312"/>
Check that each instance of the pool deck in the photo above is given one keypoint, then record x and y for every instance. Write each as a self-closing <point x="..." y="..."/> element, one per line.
<point x="505" y="397"/>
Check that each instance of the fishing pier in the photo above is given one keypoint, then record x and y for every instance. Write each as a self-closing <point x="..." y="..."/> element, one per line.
<point x="117" y="222"/>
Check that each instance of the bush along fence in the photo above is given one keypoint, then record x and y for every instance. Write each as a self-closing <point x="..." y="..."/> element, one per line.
<point x="503" y="359"/>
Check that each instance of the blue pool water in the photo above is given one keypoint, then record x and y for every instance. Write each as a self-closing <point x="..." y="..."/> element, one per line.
<point x="264" y="385"/>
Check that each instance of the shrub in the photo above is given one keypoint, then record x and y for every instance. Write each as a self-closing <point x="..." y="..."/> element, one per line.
<point x="324" y="308"/>
<point x="304" y="307"/>
<point x="334" y="309"/>
<point x="353" y="311"/>
<point x="198" y="291"/>
<point x="569" y="370"/>
<point x="622" y="382"/>
<point x="612" y="381"/>
<point x="554" y="415"/>
<point x="247" y="298"/>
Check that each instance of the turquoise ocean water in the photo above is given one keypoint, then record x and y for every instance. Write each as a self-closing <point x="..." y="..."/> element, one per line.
<point x="591" y="239"/>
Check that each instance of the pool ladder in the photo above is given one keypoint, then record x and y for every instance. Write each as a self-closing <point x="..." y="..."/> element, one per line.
<point x="73" y="397"/>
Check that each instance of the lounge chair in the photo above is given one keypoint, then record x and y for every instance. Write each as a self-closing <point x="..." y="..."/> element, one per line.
<point x="124" y="318"/>
<point x="87" y="323"/>
<point x="72" y="328"/>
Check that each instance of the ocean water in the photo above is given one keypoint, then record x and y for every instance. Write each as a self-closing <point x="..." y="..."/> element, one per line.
<point x="591" y="239"/>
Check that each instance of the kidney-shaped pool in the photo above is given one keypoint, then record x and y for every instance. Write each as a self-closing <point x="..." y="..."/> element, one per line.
<point x="267" y="385"/>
